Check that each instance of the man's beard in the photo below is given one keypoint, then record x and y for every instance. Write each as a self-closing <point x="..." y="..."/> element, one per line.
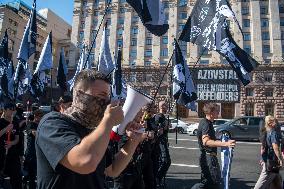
<point x="86" y="109"/>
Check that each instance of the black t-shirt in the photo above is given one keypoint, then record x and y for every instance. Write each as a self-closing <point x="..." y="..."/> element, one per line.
<point x="30" y="151"/>
<point x="205" y="127"/>
<point x="162" y="122"/>
<point x="56" y="136"/>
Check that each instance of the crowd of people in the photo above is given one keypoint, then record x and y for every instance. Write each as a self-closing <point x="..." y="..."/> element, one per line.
<point x="74" y="146"/>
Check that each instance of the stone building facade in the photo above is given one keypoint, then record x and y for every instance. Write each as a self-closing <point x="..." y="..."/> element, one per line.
<point x="262" y="23"/>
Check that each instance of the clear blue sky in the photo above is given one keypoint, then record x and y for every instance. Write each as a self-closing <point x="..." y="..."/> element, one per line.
<point x="63" y="8"/>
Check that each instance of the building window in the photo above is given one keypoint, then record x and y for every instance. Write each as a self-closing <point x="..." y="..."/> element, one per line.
<point x="268" y="92"/>
<point x="122" y="10"/>
<point x="269" y="109"/>
<point x="183" y="15"/>
<point x="281" y="8"/>
<point x="246" y="36"/>
<point x="165" y="40"/>
<point x="82" y="26"/>
<point x="164" y="52"/>
<point x="133" y="53"/>
<point x="92" y="57"/>
<point x="249" y="92"/>
<point x="147" y="77"/>
<point x="265" y="35"/>
<point x="122" y="1"/>
<point x="246" y="23"/>
<point x="148" y="41"/>
<point x="120" y="20"/>
<point x="247" y="48"/>
<point x="268" y="77"/>
<point x="263" y="10"/>
<point x="134" y="30"/>
<point x="163" y="63"/>
<point x="204" y="62"/>
<point x="120" y="42"/>
<point x="245" y="10"/>
<point x="132" y="63"/>
<point x="163" y="91"/>
<point x="281" y="21"/>
<point x="182" y="3"/>
<point x="148" y="52"/>
<point x="147" y="63"/>
<point x="96" y="13"/>
<point x="133" y="42"/>
<point x="249" y="109"/>
<point x="94" y="33"/>
<point x="108" y="22"/>
<point x="132" y="77"/>
<point x="107" y="32"/>
<point x="180" y="27"/>
<point x="166" y="4"/>
<point x="95" y="23"/>
<point x="264" y="22"/>
<point x="81" y="36"/>
<point x="266" y="49"/>
<point x="120" y="31"/>
<point x="135" y="19"/>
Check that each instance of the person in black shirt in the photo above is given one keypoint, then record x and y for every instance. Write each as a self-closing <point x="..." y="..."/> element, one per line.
<point x="161" y="157"/>
<point x="210" y="169"/>
<point x="11" y="165"/>
<point x="71" y="147"/>
<point x="30" y="153"/>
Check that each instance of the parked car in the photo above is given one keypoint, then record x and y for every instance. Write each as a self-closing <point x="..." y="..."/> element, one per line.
<point x="192" y="129"/>
<point x="218" y="122"/>
<point x="182" y="126"/>
<point x="245" y="128"/>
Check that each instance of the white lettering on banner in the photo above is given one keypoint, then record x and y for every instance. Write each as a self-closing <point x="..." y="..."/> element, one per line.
<point x="220" y="96"/>
<point x="217" y="74"/>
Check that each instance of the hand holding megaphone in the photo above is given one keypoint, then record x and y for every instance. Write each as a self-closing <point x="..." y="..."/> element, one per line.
<point x="133" y="104"/>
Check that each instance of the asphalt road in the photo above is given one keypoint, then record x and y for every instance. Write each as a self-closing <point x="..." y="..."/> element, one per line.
<point x="185" y="171"/>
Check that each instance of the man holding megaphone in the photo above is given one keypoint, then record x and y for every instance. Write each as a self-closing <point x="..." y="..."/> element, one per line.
<point x="72" y="147"/>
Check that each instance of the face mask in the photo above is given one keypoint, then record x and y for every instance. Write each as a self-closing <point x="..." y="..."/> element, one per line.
<point x="86" y="109"/>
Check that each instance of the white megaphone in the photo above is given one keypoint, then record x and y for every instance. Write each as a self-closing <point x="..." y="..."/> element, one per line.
<point x="135" y="100"/>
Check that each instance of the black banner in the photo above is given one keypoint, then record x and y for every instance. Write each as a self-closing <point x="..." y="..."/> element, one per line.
<point x="216" y="84"/>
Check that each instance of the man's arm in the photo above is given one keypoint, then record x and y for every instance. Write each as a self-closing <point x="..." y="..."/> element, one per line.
<point x="85" y="157"/>
<point x="6" y="129"/>
<point x="217" y="143"/>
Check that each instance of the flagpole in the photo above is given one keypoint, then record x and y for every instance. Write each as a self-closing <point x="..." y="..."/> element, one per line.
<point x="154" y="98"/>
<point x="177" y="121"/>
<point x="94" y="40"/>
<point x="51" y="88"/>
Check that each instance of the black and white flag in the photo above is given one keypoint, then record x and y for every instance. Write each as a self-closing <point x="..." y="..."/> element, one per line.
<point x="183" y="88"/>
<point x="241" y="62"/>
<point x="62" y="72"/>
<point x="28" y="44"/>
<point x="151" y="13"/>
<point x="201" y="26"/>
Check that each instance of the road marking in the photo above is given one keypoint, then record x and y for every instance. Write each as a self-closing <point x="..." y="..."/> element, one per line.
<point x="184" y="165"/>
<point x="180" y="147"/>
<point x="194" y="140"/>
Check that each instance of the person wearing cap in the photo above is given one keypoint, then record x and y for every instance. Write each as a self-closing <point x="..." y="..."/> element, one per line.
<point x="9" y="138"/>
<point x="65" y="102"/>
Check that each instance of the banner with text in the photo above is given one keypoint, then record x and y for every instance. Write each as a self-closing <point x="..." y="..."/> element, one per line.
<point x="216" y="84"/>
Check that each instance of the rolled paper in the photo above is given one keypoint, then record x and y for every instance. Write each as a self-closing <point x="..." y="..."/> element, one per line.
<point x="135" y="100"/>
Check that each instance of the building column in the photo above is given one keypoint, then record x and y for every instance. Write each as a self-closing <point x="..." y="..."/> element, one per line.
<point x="156" y="50"/>
<point x="101" y="10"/>
<point x="256" y="30"/>
<point x="275" y="32"/>
<point x="127" y="36"/>
<point x="74" y="53"/>
<point x="237" y="8"/>
<point x="173" y="25"/>
<point x="113" y="27"/>
<point x="88" y="24"/>
<point x="140" y="44"/>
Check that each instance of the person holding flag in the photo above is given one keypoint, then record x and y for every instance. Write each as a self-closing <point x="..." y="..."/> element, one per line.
<point x="11" y="165"/>
<point x="210" y="169"/>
